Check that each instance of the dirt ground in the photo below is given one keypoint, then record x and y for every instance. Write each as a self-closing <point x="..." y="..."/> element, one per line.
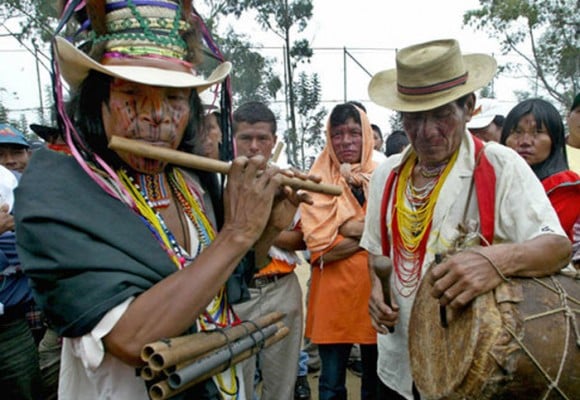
<point x="352" y="381"/>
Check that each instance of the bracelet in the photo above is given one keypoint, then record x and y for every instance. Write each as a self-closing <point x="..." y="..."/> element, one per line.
<point x="489" y="260"/>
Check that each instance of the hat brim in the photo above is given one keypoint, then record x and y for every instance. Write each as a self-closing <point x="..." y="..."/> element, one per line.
<point x="383" y="86"/>
<point x="480" y="122"/>
<point x="75" y="65"/>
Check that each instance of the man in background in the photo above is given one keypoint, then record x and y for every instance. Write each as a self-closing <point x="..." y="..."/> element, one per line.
<point x="396" y="142"/>
<point x="14" y="148"/>
<point x="19" y="364"/>
<point x="274" y="287"/>
<point x="486" y="120"/>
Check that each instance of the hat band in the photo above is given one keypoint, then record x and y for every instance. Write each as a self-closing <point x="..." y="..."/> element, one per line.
<point x="437" y="87"/>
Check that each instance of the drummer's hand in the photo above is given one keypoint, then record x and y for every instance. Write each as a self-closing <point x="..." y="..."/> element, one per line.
<point x="382" y="316"/>
<point x="250" y="191"/>
<point x="462" y="277"/>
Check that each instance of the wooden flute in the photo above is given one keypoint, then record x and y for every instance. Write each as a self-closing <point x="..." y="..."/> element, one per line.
<point x="187" y="160"/>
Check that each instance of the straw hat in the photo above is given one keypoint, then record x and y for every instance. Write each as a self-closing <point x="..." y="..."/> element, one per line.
<point x="429" y="75"/>
<point x="143" y="42"/>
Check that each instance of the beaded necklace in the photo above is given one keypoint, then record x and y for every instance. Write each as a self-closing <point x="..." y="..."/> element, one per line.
<point x="432" y="171"/>
<point x="153" y="220"/>
<point x="412" y="223"/>
<point x="218" y="313"/>
<point x="155" y="188"/>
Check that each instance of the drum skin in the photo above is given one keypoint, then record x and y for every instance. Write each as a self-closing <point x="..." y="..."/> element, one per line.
<point x="488" y="348"/>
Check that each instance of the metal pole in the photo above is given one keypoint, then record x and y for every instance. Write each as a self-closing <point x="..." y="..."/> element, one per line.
<point x="344" y="70"/>
<point x="39" y="85"/>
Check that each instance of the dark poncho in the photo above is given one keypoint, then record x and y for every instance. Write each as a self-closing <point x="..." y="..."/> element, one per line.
<point x="84" y="251"/>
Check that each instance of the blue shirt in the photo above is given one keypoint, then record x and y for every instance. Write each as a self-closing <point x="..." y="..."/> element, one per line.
<point x="14" y="287"/>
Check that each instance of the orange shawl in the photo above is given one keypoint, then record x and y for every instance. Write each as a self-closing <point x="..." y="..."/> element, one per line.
<point x="321" y="221"/>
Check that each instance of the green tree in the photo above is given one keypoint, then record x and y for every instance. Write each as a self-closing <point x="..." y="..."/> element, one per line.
<point x="544" y="34"/>
<point x="252" y="77"/>
<point x="280" y="17"/>
<point x="34" y="18"/>
<point x="31" y="24"/>
<point x="310" y="138"/>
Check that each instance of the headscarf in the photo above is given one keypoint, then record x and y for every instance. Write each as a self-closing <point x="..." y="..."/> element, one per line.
<point x="321" y="221"/>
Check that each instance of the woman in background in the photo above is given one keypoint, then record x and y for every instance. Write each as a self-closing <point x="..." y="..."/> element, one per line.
<point x="535" y="130"/>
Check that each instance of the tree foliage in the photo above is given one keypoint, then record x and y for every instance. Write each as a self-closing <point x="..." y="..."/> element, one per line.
<point x="34" y="18"/>
<point x="310" y="138"/>
<point x="544" y="34"/>
<point x="253" y="76"/>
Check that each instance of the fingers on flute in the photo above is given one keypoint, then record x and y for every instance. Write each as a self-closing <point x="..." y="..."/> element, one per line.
<point x="296" y="173"/>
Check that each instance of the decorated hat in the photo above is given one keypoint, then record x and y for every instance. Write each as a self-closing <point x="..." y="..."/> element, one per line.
<point x="152" y="42"/>
<point x="429" y="75"/>
<point x="11" y="135"/>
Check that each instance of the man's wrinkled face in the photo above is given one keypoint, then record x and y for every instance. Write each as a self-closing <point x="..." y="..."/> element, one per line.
<point x="436" y="134"/>
<point x="156" y="115"/>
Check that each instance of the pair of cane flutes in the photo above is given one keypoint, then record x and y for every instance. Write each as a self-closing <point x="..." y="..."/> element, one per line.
<point x="206" y="164"/>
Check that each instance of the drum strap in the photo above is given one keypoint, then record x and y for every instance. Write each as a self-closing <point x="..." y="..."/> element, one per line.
<point x="484" y="180"/>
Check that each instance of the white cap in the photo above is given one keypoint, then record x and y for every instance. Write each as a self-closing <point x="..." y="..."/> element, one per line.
<point x="484" y="113"/>
<point x="210" y="100"/>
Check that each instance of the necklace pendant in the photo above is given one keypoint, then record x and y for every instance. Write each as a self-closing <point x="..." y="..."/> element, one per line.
<point x="154" y="188"/>
<point x="163" y="203"/>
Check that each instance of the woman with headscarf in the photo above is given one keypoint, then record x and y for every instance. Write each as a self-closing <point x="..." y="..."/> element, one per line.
<point x="534" y="129"/>
<point x="338" y="300"/>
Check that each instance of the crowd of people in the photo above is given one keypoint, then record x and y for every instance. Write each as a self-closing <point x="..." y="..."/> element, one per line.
<point x="103" y="251"/>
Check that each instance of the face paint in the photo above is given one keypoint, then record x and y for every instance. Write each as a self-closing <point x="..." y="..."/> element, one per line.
<point x="156" y="115"/>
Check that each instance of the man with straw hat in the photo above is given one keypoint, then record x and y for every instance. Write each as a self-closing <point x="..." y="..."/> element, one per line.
<point x="419" y="201"/>
<point x="123" y="250"/>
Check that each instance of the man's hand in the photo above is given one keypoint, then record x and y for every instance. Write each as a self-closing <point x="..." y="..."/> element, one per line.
<point x="6" y="219"/>
<point x="382" y="315"/>
<point x="462" y="277"/>
<point x="249" y="196"/>
<point x="282" y="213"/>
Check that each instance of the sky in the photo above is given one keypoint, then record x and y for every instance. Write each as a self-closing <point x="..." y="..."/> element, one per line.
<point x="371" y="31"/>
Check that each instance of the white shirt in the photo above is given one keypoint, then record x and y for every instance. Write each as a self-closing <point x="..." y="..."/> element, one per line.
<point x="378" y="157"/>
<point x="522" y="212"/>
